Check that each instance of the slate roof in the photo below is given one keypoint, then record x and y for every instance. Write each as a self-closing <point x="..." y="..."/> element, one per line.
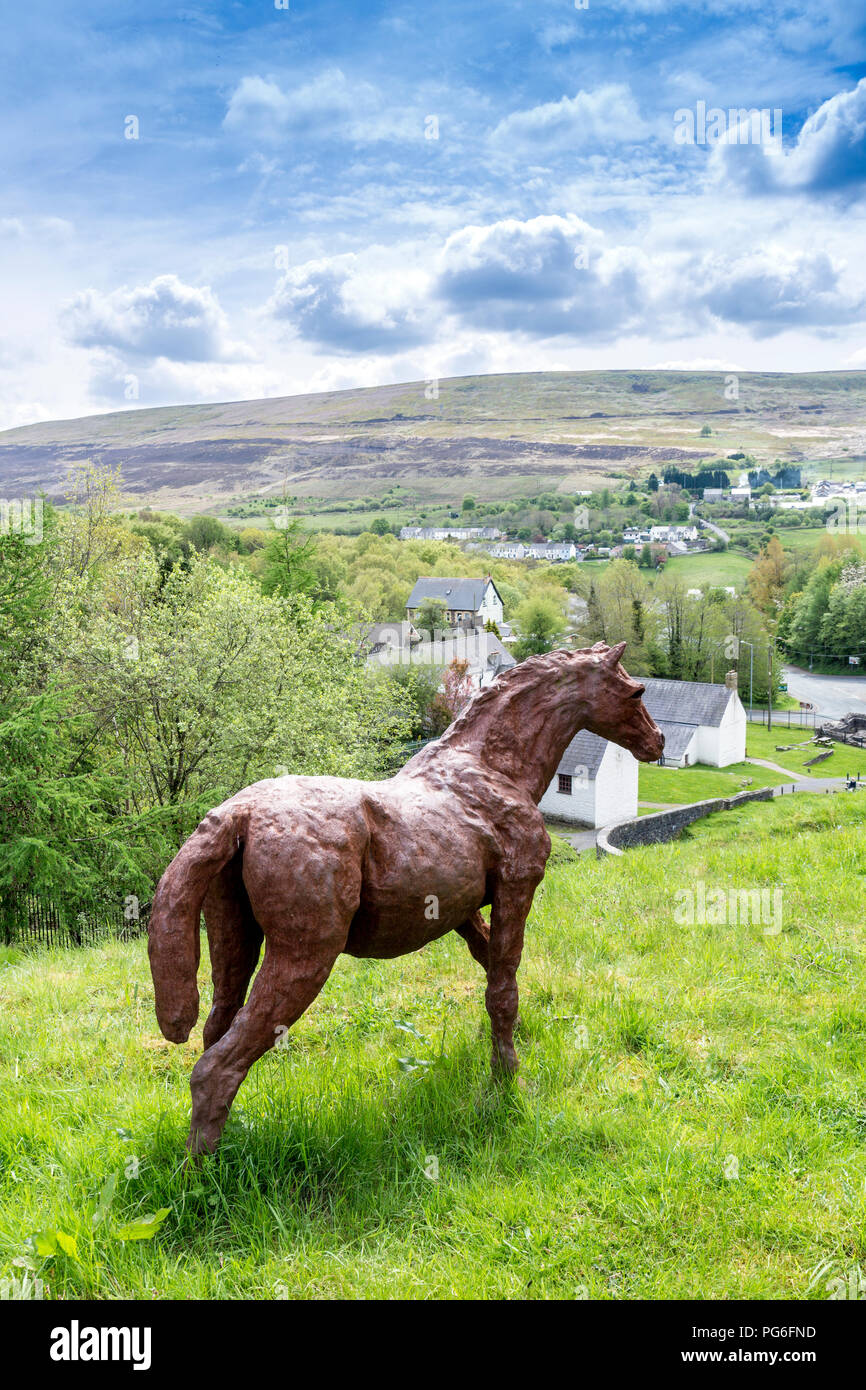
<point x="677" y="737"/>
<point x="463" y="594"/>
<point x="685" y="702"/>
<point x="586" y="750"/>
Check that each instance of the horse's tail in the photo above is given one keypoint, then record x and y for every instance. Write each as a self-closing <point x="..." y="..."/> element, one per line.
<point x="173" y="931"/>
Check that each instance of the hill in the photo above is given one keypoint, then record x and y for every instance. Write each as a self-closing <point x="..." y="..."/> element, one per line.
<point x="495" y="436"/>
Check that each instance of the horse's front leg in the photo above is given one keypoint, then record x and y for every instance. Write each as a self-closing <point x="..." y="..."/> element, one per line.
<point x="511" y="904"/>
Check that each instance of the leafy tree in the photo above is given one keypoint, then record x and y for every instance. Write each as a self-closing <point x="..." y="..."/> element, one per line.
<point x="289" y="567"/>
<point x="540" y="622"/>
<point x="431" y="615"/>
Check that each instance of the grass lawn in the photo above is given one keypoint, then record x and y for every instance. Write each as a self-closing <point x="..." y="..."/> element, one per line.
<point x="690" y="1121"/>
<point x="762" y="743"/>
<point x="711" y="569"/>
<point x="684" y="784"/>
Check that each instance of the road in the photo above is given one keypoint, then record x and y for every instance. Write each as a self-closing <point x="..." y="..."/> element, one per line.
<point x="832" y="696"/>
<point x="710" y="526"/>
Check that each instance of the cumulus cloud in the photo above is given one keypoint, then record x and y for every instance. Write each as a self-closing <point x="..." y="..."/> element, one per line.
<point x="342" y="304"/>
<point x="329" y="106"/>
<point x="606" y="116"/>
<point x="166" y="318"/>
<point x="829" y="155"/>
<point x="549" y="275"/>
<point x="773" y="290"/>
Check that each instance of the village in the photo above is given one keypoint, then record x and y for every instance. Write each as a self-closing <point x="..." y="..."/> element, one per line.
<point x="596" y="782"/>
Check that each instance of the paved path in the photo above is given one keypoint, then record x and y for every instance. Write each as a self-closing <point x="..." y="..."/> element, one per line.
<point x="774" y="767"/>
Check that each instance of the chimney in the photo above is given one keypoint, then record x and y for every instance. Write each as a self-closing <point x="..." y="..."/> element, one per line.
<point x="731" y="680"/>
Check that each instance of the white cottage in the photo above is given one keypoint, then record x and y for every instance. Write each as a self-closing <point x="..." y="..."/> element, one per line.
<point x="595" y="783"/>
<point x="702" y="723"/>
<point x="468" y="602"/>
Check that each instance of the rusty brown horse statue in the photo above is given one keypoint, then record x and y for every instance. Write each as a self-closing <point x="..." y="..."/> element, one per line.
<point x="317" y="866"/>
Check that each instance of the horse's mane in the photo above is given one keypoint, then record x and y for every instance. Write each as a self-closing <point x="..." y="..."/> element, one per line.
<point x="532" y="674"/>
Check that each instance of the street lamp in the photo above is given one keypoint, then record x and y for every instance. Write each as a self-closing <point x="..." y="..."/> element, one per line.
<point x="742" y="641"/>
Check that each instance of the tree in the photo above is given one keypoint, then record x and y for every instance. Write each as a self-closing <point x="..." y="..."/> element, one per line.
<point x="766" y="579"/>
<point x="540" y="621"/>
<point x="468" y="504"/>
<point x="456" y="690"/>
<point x="213" y="684"/>
<point x="431" y="615"/>
<point x="289" y="560"/>
<point x="705" y="431"/>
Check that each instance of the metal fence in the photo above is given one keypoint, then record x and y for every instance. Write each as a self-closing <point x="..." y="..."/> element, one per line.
<point x="786" y="718"/>
<point x="28" y="918"/>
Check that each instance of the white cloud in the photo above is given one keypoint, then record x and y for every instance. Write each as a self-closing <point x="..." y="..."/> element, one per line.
<point x="603" y="117"/>
<point x="829" y="155"/>
<point x="354" y="305"/>
<point x="35" y="228"/>
<point x="329" y="106"/>
<point x="166" y="318"/>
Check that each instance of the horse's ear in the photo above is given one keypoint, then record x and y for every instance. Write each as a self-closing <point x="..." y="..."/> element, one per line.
<point x="614" y="656"/>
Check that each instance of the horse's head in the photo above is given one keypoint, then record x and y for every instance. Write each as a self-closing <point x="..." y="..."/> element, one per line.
<point x="614" y="708"/>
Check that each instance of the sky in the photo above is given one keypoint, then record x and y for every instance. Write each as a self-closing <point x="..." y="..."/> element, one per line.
<point x="241" y="200"/>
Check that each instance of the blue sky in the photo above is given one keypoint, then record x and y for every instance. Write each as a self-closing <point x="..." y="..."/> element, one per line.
<point x="347" y="194"/>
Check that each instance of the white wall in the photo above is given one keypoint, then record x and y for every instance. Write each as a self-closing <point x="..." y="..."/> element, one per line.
<point x="610" y="796"/>
<point x="491" y="608"/>
<point x="719" y="747"/>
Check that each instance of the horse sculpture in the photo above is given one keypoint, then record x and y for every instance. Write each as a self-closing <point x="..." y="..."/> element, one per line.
<point x="322" y="865"/>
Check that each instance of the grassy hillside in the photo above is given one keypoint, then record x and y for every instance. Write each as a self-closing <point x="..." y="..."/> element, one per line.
<point x="495" y="436"/>
<point x="690" y="1122"/>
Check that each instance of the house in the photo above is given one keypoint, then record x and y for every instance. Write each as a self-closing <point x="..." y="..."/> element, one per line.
<point x="445" y="533"/>
<point x="702" y="723"/>
<point x="482" y="651"/>
<point x="468" y="602"/>
<point x="379" y="637"/>
<point x="595" y="783"/>
<point x="714" y="494"/>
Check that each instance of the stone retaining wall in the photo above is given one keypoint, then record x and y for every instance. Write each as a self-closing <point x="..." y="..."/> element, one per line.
<point x="662" y="826"/>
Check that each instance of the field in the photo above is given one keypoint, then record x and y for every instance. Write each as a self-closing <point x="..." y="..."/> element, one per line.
<point x="711" y="569"/>
<point x="689" y="1123"/>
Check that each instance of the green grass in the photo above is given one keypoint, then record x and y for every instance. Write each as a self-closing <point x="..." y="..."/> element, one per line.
<point x="683" y="784"/>
<point x="653" y="1054"/>
<point x="711" y="569"/>
<point x="762" y="743"/>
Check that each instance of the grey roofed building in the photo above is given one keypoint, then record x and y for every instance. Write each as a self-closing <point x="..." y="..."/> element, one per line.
<point x="677" y="738"/>
<point x="685" y="702"/>
<point x="585" y="750"/>
<point x="455" y="593"/>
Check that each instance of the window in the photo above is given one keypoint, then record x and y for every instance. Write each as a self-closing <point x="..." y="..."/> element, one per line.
<point x="564" y="784"/>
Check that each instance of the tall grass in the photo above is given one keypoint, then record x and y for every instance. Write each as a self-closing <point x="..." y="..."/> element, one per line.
<point x="690" y="1121"/>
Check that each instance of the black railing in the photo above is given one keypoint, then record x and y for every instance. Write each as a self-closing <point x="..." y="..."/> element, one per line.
<point x="27" y="918"/>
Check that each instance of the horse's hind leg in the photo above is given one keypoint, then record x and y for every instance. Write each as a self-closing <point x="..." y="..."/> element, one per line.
<point x="476" y="934"/>
<point x="284" y="987"/>
<point x="235" y="940"/>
